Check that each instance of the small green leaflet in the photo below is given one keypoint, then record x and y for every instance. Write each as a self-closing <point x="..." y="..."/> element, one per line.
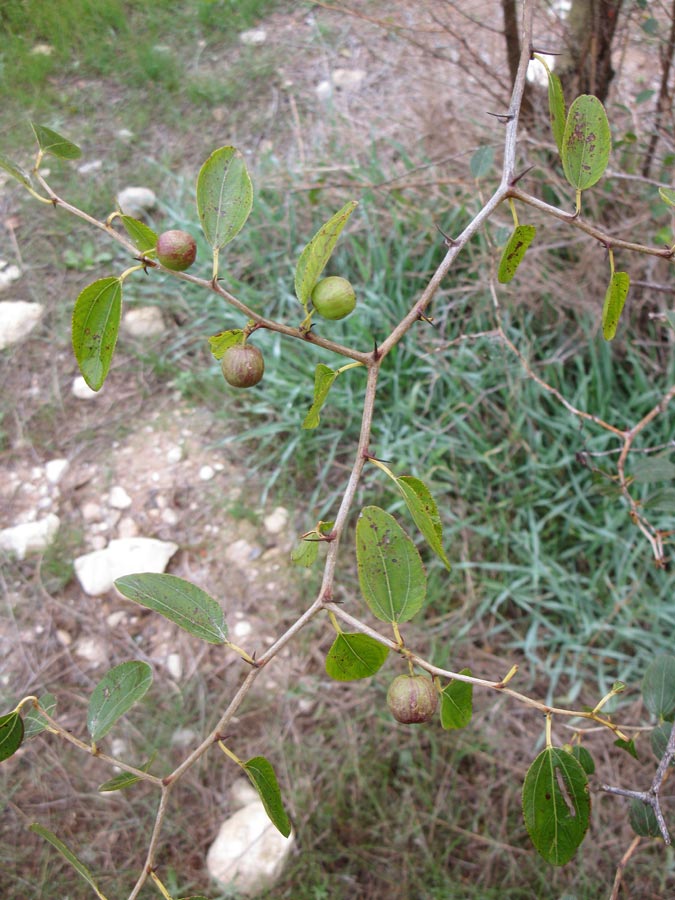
<point x="659" y="739"/>
<point x="96" y="322"/>
<point x="220" y="342"/>
<point x="143" y="237"/>
<point x="323" y="381"/>
<point x="263" y="779"/>
<point x="391" y="574"/>
<point x="306" y="551"/>
<point x="316" y="254"/>
<point x="653" y="468"/>
<point x="628" y="746"/>
<point x="617" y="291"/>
<point x="354" y="656"/>
<point x="116" y="692"/>
<point x="34" y="722"/>
<point x="68" y="855"/>
<point x="457" y="703"/>
<point x="188" y="606"/>
<point x="556" y="805"/>
<point x="661" y="501"/>
<point x="515" y="250"/>
<point x="556" y="108"/>
<point x="667" y="195"/>
<point x="124" y="779"/>
<point x="424" y="511"/>
<point x="51" y="142"/>
<point x="582" y="756"/>
<point x="15" y="171"/>
<point x="642" y="819"/>
<point x="587" y="142"/>
<point x="11" y="734"/>
<point x="658" y="687"/>
<point x="481" y="162"/>
<point x="224" y="196"/>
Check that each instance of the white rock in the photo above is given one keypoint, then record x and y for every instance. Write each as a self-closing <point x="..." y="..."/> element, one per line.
<point x="119" y="499"/>
<point x="169" y="516"/>
<point x="183" y="737"/>
<point x="93" y="649"/>
<point x="174" y="455"/>
<point x="91" y="512"/>
<point x="124" y="134"/>
<point x="127" y="528"/>
<point x="30" y="537"/>
<point x="324" y="90"/>
<point x="81" y="389"/>
<point x="206" y="473"/>
<point x="249" y="853"/>
<point x="253" y="36"/>
<point x="17" y="319"/>
<point x="63" y="637"/>
<point x="98" y="570"/>
<point x="277" y="521"/>
<point x="174" y="665"/>
<point x="8" y="275"/>
<point x="144" y="321"/>
<point x="92" y="166"/>
<point x="55" y="469"/>
<point x="136" y="201"/>
<point x="242" y="629"/>
<point x="41" y="50"/>
<point x="242" y="793"/>
<point x="241" y="552"/>
<point x="348" y="78"/>
<point x="119" y="617"/>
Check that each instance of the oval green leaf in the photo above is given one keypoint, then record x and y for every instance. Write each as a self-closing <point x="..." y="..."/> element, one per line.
<point x="457" y="703"/>
<point x="224" y="196"/>
<point x="34" y="722"/>
<point x="514" y="252"/>
<point x="11" y="734"/>
<point x="176" y="599"/>
<point x="556" y="805"/>
<point x="124" y="779"/>
<point x="556" y="108"/>
<point x="659" y="739"/>
<point x="316" y="254"/>
<point x="68" y="855"/>
<point x="617" y="291"/>
<point x="658" y="687"/>
<point x="143" y="237"/>
<point x="355" y="656"/>
<point x="324" y="377"/>
<point x="627" y="746"/>
<point x="424" y="511"/>
<point x="117" y="692"/>
<point x="54" y="143"/>
<point x="587" y="142"/>
<point x="482" y="161"/>
<point x="642" y="819"/>
<point x="263" y="779"/>
<point x="15" y="171"/>
<point x="306" y="551"/>
<point x="220" y="342"/>
<point x="391" y="574"/>
<point x="582" y="755"/>
<point x="653" y="468"/>
<point x="96" y="322"/>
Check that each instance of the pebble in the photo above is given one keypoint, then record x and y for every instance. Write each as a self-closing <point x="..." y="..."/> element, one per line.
<point x="55" y="469"/>
<point x="17" y="317"/>
<point x="277" y="520"/>
<point x="81" y="389"/>
<point x="206" y="473"/>
<point x="119" y="499"/>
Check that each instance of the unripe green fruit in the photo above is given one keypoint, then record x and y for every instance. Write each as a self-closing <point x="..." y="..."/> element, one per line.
<point x="176" y="250"/>
<point x="243" y="365"/>
<point x="333" y="297"/>
<point x="412" y="699"/>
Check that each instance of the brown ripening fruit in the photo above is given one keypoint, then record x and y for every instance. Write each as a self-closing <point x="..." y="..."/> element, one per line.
<point x="412" y="699"/>
<point x="243" y="365"/>
<point x="176" y="250"/>
<point x="333" y="297"/>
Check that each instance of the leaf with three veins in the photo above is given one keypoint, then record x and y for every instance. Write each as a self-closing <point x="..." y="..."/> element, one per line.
<point x="316" y="254"/>
<point x="96" y="322"/>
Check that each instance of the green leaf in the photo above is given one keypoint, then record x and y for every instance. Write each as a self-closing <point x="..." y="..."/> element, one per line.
<point x="34" y="722"/>
<point x="15" y="171"/>
<point x="323" y="381"/>
<point x="515" y="250"/>
<point x="659" y="739"/>
<point x="224" y="196"/>
<point x="67" y="855"/>
<point x="117" y="692"/>
<point x="124" y="779"/>
<point x="143" y="237"/>
<point x="354" y="656"/>
<point x="617" y="291"/>
<point x="391" y="574"/>
<point x="642" y="819"/>
<point x="481" y="162"/>
<point x="667" y="195"/>
<point x="220" y="342"/>
<point x="457" y="703"/>
<point x="96" y="321"/>
<point x="263" y="779"/>
<point x="52" y="142"/>
<point x="556" y="108"/>
<point x="628" y="746"/>
<point x="306" y="551"/>
<point x="556" y="806"/>
<point x="661" y="501"/>
<point x="316" y="254"/>
<point x="424" y="511"/>
<point x="178" y="600"/>
<point x="658" y="687"/>
<point x="11" y="734"/>
<point x="653" y="468"/>
<point x="582" y="756"/>
<point x="587" y="142"/>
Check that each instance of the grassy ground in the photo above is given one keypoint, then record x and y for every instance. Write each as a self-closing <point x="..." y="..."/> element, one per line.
<point x="547" y="569"/>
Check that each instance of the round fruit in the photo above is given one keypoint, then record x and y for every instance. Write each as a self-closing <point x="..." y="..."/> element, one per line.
<point x="176" y="250"/>
<point x="243" y="365"/>
<point x="333" y="297"/>
<point x="412" y="699"/>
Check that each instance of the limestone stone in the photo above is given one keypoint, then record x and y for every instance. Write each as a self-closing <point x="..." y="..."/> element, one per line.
<point x="98" y="570"/>
<point x="17" y="319"/>
<point x="29" y="537"/>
